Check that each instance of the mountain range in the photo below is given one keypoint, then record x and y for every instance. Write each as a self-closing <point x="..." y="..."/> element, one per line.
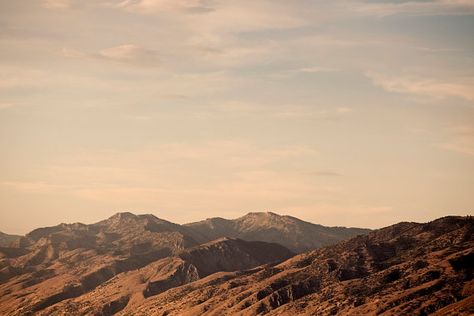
<point x="291" y="232"/>
<point x="261" y="263"/>
<point x="404" y="269"/>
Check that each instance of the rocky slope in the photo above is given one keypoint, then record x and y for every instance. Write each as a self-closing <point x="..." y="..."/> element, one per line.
<point x="51" y="264"/>
<point x="128" y="291"/>
<point x="54" y="265"/>
<point x="6" y="240"/>
<point x="404" y="269"/>
<point x="295" y="234"/>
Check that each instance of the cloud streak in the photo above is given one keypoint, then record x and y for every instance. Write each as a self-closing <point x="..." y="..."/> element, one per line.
<point x="126" y="53"/>
<point x="325" y="173"/>
<point x="426" y="87"/>
<point x="56" y="4"/>
<point x="462" y="140"/>
<point x="153" y="6"/>
<point x="317" y="69"/>
<point x="415" y="8"/>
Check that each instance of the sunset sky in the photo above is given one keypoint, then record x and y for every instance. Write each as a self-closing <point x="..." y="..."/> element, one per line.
<point x="354" y="113"/>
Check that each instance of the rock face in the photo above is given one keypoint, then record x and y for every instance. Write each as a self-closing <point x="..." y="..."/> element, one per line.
<point x="295" y="234"/>
<point x="228" y="254"/>
<point x="104" y="267"/>
<point x="404" y="269"/>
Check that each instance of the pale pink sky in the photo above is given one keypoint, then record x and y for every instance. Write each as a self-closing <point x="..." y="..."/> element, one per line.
<point x="351" y="112"/>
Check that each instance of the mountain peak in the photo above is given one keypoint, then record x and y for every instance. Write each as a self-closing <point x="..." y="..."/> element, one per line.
<point x="263" y="214"/>
<point x="291" y="232"/>
<point x="129" y="216"/>
<point x="123" y="216"/>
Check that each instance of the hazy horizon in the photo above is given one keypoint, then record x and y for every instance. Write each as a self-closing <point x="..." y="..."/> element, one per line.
<point x="217" y="216"/>
<point x="341" y="113"/>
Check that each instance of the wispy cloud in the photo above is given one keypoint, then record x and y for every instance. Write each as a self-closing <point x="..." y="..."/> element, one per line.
<point x="158" y="81"/>
<point x="344" y="110"/>
<point x="417" y="8"/>
<point x="56" y="4"/>
<point x="217" y="50"/>
<point x="14" y="77"/>
<point x="236" y="108"/>
<point x="308" y="112"/>
<point x="151" y="6"/>
<point x="220" y="16"/>
<point x="317" y="69"/>
<point x="462" y="140"/>
<point x="34" y="186"/>
<point x="325" y="173"/>
<point x="6" y="105"/>
<point x="426" y="87"/>
<point x="131" y="53"/>
<point x="219" y="173"/>
<point x="125" y="53"/>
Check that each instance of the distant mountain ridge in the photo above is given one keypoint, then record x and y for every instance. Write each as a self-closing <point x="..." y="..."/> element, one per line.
<point x="291" y="232"/>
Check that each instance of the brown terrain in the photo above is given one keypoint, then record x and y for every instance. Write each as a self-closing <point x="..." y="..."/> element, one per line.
<point x="404" y="269"/>
<point x="141" y="265"/>
<point x="293" y="233"/>
<point x="6" y="240"/>
<point x="119" y="262"/>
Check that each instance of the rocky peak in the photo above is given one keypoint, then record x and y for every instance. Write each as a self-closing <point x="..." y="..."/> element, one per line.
<point x="293" y="233"/>
<point x="122" y="217"/>
<point x="124" y="221"/>
<point x="262" y="215"/>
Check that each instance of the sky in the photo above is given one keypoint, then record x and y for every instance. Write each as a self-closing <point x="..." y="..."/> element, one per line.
<point x="348" y="113"/>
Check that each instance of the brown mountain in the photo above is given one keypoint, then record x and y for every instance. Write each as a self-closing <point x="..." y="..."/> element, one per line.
<point x="53" y="264"/>
<point x="128" y="291"/>
<point x="6" y="240"/>
<point x="404" y="269"/>
<point x="142" y="265"/>
<point x="293" y="233"/>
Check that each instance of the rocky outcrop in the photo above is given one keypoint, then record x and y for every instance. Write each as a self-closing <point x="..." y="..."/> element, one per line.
<point x="227" y="254"/>
<point x="185" y="273"/>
